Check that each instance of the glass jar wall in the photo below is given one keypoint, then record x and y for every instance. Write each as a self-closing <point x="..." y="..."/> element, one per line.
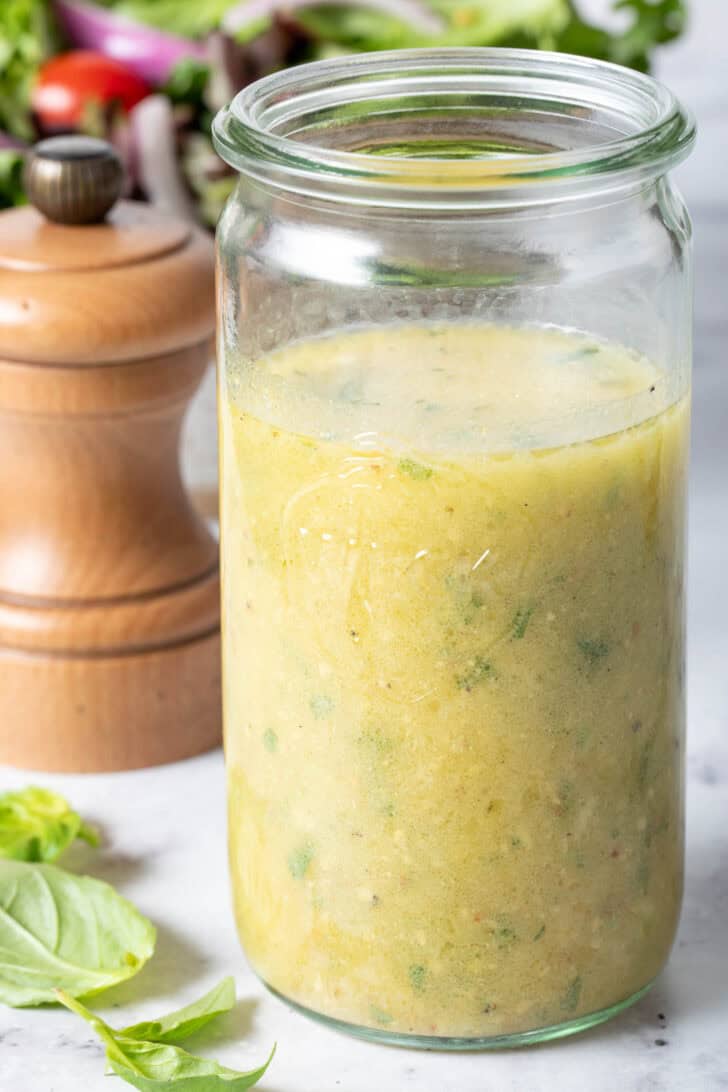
<point x="455" y="311"/>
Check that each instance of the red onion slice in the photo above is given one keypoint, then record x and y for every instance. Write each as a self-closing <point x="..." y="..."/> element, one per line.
<point x="9" y="143"/>
<point x="149" y="52"/>
<point x="155" y="156"/>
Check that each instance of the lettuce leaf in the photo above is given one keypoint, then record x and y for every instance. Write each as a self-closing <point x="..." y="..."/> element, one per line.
<point x="11" y="179"/>
<point x="27" y="37"/>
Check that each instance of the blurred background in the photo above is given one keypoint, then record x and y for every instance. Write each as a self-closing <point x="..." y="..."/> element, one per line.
<point x="150" y="74"/>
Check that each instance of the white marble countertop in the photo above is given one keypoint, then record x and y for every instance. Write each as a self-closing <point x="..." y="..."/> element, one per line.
<point x="164" y="829"/>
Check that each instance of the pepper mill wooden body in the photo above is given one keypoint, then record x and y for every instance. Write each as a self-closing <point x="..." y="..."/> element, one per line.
<point x="109" y="592"/>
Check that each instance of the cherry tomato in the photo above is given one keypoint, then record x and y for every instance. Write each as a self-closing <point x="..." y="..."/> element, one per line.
<point x="68" y="83"/>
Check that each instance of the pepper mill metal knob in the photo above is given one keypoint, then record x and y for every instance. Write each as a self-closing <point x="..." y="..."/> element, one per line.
<point x="73" y="179"/>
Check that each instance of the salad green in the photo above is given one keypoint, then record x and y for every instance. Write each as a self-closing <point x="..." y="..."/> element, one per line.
<point x="28" y="36"/>
<point x="535" y="23"/>
<point x="175" y="16"/>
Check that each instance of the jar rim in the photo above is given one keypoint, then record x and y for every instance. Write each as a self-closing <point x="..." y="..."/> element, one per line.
<point x="286" y="130"/>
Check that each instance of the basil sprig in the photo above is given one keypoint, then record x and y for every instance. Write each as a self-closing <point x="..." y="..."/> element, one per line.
<point x="158" y="1067"/>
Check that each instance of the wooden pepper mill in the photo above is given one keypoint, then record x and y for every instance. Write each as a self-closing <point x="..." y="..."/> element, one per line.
<point x="109" y="591"/>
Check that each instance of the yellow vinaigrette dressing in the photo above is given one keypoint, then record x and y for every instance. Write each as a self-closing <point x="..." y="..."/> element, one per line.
<point x="453" y="674"/>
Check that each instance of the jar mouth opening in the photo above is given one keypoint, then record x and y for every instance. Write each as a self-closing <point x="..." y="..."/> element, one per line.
<point x="424" y="126"/>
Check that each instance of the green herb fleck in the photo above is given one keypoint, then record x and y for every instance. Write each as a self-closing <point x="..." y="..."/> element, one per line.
<point x="612" y="497"/>
<point x="516" y="841"/>
<point x="466" y="600"/>
<point x="540" y="933"/>
<point x="643" y="874"/>
<point x="299" y="859"/>
<point x="643" y="766"/>
<point x="582" y="736"/>
<point x="580" y="354"/>
<point x="375" y="740"/>
<point x="417" y="976"/>
<point x="566" y="797"/>
<point x="270" y="740"/>
<point x="380" y="1016"/>
<point x="661" y="827"/>
<point x="416" y="471"/>
<point x="520" y="622"/>
<point x="479" y="671"/>
<point x="505" y="934"/>
<point x="470" y="609"/>
<point x="322" y="706"/>
<point x="570" y="1000"/>
<point x="593" y="650"/>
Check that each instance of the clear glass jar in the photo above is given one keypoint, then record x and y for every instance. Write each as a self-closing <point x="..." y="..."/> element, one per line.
<point x="455" y="326"/>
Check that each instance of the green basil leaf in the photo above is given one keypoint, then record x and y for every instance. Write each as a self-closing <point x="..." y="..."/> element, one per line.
<point x="38" y="825"/>
<point x="60" y="931"/>
<point x="151" y="1067"/>
<point x="184" y="1022"/>
<point x="156" y="1067"/>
